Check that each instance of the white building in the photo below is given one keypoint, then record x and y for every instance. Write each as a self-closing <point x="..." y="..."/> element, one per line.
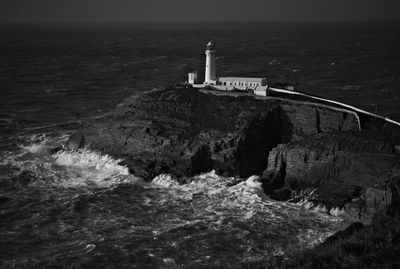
<point x="210" y="73"/>
<point x="242" y="82"/>
<point x="192" y="78"/>
<point x="258" y="85"/>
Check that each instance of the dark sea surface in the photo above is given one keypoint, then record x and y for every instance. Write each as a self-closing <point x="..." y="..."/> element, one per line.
<point x="84" y="210"/>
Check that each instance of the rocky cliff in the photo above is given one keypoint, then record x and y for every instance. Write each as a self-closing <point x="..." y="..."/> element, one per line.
<point x="295" y="146"/>
<point x="340" y="165"/>
<point x="185" y="132"/>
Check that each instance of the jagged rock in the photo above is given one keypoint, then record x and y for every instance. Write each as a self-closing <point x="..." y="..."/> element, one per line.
<point x="304" y="119"/>
<point x="281" y="194"/>
<point x="184" y="132"/>
<point x="56" y="149"/>
<point x="75" y="141"/>
<point x="378" y="198"/>
<point x="342" y="165"/>
<point x="344" y="234"/>
<point x="357" y="211"/>
<point x="394" y="186"/>
<point x="296" y="145"/>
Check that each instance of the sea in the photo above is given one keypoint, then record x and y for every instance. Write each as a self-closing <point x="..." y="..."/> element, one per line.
<point x="84" y="210"/>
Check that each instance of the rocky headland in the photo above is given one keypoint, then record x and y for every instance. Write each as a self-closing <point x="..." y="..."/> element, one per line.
<point x="301" y="150"/>
<point x="295" y="146"/>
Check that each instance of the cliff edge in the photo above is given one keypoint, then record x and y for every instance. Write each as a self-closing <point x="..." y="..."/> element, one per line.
<point x="295" y="146"/>
<point x="186" y="132"/>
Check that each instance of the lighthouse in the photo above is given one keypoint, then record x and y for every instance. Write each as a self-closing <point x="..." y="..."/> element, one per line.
<point x="210" y="76"/>
<point x="258" y="86"/>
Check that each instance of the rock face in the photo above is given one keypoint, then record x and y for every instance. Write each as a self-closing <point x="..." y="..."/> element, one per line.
<point x="75" y="141"/>
<point x="304" y="119"/>
<point x="344" y="234"/>
<point x="341" y="165"/>
<point x="185" y="132"/>
<point x="297" y="146"/>
<point x="378" y="198"/>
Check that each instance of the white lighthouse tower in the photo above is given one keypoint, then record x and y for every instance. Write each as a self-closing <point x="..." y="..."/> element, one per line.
<point x="210" y="75"/>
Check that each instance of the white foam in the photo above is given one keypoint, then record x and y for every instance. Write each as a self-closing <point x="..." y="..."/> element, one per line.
<point x="36" y="148"/>
<point x="164" y="181"/>
<point x="85" y="167"/>
<point x="40" y="144"/>
<point x="251" y="183"/>
<point x="336" y="212"/>
<point x="89" y="159"/>
<point x="245" y="196"/>
<point x="219" y="202"/>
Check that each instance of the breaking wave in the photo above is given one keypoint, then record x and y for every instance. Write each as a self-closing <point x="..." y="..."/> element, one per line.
<point x="240" y="207"/>
<point x="85" y="167"/>
<point x="160" y="219"/>
<point x="64" y="168"/>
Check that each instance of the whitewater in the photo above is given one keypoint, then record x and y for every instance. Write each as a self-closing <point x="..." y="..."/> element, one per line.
<point x="83" y="208"/>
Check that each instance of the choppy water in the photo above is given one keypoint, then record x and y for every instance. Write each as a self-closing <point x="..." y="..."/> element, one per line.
<point x="83" y="209"/>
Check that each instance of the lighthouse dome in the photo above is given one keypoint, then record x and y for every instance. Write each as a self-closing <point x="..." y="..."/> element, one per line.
<point x="209" y="45"/>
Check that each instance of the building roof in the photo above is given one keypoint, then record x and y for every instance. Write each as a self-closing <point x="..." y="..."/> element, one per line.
<point x="241" y="79"/>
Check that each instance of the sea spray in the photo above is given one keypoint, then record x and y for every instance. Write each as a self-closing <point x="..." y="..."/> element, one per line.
<point x="84" y="168"/>
<point x="164" y="181"/>
<point x="312" y="206"/>
<point x="99" y="209"/>
<point x="163" y="218"/>
<point x="223" y="204"/>
<point x="88" y="159"/>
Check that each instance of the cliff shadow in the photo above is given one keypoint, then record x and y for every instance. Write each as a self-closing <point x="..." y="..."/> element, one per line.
<point x="259" y="138"/>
